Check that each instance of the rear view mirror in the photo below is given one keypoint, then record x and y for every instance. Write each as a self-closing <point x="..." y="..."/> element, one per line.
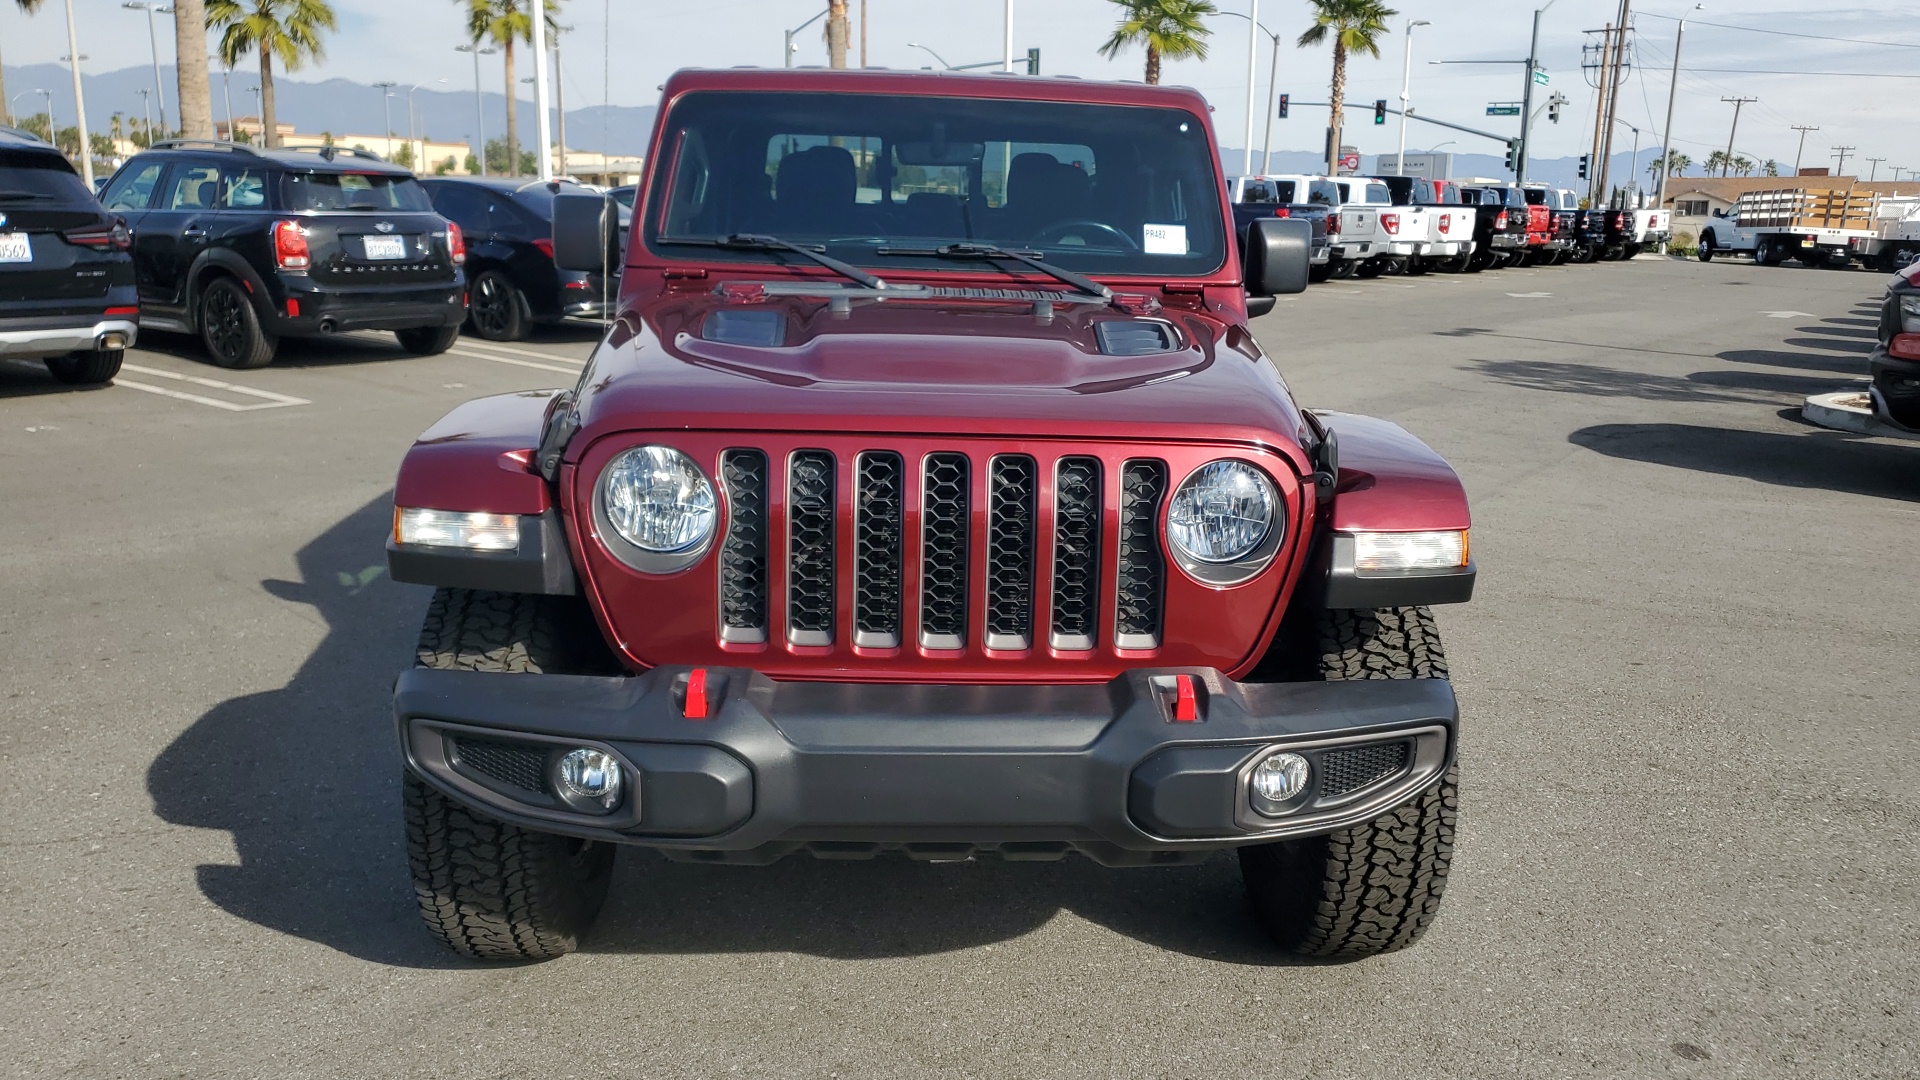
<point x="584" y="232"/>
<point x="1279" y="252"/>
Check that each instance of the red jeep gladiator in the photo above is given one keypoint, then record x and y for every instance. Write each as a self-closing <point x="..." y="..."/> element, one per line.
<point x="928" y="494"/>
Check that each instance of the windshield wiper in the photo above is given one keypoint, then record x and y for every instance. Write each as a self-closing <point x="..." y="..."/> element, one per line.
<point x="989" y="252"/>
<point x="758" y="242"/>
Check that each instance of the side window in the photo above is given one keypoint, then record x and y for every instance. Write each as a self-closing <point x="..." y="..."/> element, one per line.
<point x="243" y="188"/>
<point x="464" y="206"/>
<point x="193" y="187"/>
<point x="133" y="188"/>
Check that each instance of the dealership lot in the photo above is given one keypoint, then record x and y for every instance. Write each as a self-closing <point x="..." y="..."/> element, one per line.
<point x="1686" y="679"/>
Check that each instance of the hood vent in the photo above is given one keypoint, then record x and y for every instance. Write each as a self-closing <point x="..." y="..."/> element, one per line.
<point x="1133" y="337"/>
<point x="760" y="327"/>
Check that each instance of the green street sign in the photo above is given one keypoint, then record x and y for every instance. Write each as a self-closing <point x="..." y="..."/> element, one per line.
<point x="1539" y="77"/>
<point x="1503" y="110"/>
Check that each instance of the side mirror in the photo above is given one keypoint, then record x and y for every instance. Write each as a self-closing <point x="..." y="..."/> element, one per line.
<point x="583" y="231"/>
<point x="1279" y="253"/>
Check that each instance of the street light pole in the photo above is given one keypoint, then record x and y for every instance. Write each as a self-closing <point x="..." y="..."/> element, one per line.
<point x="1666" y="136"/>
<point x="1526" y="101"/>
<point x="1406" y="95"/>
<point x="146" y="113"/>
<point x="1007" y="7"/>
<point x="153" y="42"/>
<point x="79" y="102"/>
<point x="479" y="104"/>
<point x="386" y="106"/>
<point x="560" y="100"/>
<point x="542" y="96"/>
<point x="790" y="45"/>
<point x="1253" y="78"/>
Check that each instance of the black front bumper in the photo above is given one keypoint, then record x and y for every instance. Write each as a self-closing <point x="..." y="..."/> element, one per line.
<point x="939" y="771"/>
<point x="1896" y="387"/>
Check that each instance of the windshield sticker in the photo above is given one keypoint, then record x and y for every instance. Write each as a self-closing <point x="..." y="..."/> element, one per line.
<point x="1165" y="239"/>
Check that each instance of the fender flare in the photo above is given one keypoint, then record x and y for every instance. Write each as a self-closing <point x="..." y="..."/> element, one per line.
<point x="231" y="262"/>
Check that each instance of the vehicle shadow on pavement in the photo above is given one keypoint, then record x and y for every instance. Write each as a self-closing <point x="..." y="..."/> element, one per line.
<point x="1816" y="458"/>
<point x="305" y="779"/>
<point x="1745" y="387"/>
<point x="30" y="378"/>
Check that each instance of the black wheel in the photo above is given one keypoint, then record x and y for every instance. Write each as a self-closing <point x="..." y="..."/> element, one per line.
<point x="91" y="368"/>
<point x="488" y="889"/>
<point x="428" y="340"/>
<point x="1319" y="273"/>
<point x="1417" y="266"/>
<point x="1706" y="248"/>
<point x="495" y="309"/>
<point x="1372" y="268"/>
<point x="1632" y="252"/>
<point x="1341" y="269"/>
<point x="231" y="329"/>
<point x="1372" y="888"/>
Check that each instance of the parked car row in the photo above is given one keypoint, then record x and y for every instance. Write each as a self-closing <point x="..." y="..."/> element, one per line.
<point x="1365" y="226"/>
<point x="243" y="247"/>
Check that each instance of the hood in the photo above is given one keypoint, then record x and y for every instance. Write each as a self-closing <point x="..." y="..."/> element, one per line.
<point x="967" y="367"/>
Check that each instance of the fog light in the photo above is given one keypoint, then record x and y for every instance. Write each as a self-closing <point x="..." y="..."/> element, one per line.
<point x="1408" y="552"/>
<point x="456" y="529"/>
<point x="1278" y="783"/>
<point x="588" y="780"/>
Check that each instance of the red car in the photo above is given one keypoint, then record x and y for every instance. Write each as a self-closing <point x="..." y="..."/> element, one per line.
<point x="928" y="495"/>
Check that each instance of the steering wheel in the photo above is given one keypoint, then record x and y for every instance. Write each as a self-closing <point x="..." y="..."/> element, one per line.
<point x="1060" y="230"/>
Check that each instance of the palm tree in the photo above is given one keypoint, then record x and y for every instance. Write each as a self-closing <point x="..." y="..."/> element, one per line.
<point x="1675" y="162"/>
<point x="837" y="33"/>
<point x="1771" y="168"/>
<point x="1717" y="162"/>
<point x="1169" y="29"/>
<point x="505" y="22"/>
<point x="195" y="92"/>
<point x="1356" y="26"/>
<point x="289" y="29"/>
<point x="27" y="7"/>
<point x="1741" y="166"/>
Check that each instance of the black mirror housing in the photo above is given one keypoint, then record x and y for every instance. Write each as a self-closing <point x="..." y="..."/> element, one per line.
<point x="1279" y="253"/>
<point x="583" y="231"/>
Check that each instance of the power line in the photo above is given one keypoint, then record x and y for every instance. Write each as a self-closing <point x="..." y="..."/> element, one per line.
<point x="1786" y="33"/>
<point x="1845" y="74"/>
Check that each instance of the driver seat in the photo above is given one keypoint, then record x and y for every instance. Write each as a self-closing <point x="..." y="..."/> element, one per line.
<point x="1040" y="192"/>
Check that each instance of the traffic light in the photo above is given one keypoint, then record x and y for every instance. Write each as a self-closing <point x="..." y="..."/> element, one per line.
<point x="1380" y="111"/>
<point x="1513" y="147"/>
<point x="1033" y="61"/>
<point x="1583" y="165"/>
<point x="1283" y="106"/>
<point x="1553" y="110"/>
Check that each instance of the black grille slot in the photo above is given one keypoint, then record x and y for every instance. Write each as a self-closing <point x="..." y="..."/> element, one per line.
<point x="1010" y="528"/>
<point x="513" y="764"/>
<point x="1128" y="337"/>
<point x="878" y="502"/>
<point x="810" y="607"/>
<point x="943" y="551"/>
<point x="1140" y="577"/>
<point x="743" y="555"/>
<point x="1076" y="552"/>
<point x="1351" y="768"/>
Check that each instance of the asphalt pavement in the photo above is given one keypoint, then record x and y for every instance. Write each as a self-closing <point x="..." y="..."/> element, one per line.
<point x="1687" y="845"/>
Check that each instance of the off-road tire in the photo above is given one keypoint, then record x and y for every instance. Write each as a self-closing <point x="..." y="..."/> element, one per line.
<point x="496" y="310"/>
<point x="428" y="340"/>
<point x="91" y="367"/>
<point x="488" y="889"/>
<point x="1375" y="887"/>
<point x="230" y="328"/>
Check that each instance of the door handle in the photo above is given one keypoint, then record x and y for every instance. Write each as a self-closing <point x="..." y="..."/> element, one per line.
<point x="193" y="232"/>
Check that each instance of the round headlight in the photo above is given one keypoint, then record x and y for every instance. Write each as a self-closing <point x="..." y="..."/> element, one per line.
<point x="658" y="500"/>
<point x="1222" y="512"/>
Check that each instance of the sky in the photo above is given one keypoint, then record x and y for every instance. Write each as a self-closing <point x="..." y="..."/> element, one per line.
<point x="621" y="50"/>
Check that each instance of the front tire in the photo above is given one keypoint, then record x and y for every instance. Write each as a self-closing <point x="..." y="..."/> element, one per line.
<point x="1372" y="888"/>
<point x="1706" y="248"/>
<point x="94" y="367"/>
<point x="230" y="328"/>
<point x="488" y="889"/>
<point x="495" y="308"/>
<point x="428" y="340"/>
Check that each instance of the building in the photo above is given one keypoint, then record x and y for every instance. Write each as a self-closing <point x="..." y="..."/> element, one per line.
<point x="426" y="155"/>
<point x="594" y="167"/>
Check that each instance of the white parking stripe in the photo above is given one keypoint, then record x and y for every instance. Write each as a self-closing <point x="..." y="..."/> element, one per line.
<point x="575" y="370"/>
<point x="272" y="400"/>
<point x="494" y="346"/>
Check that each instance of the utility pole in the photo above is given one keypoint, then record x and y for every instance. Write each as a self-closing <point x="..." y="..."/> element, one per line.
<point x="1613" y="97"/>
<point x="1666" y="136"/>
<point x="386" y="105"/>
<point x="79" y="104"/>
<point x="1726" y="163"/>
<point x="1253" y="78"/>
<point x="1406" y="93"/>
<point x="1841" y="152"/>
<point x="1599" y="116"/>
<point x="560" y="99"/>
<point x="1871" y="176"/>
<point x="1802" y="129"/>
<point x="863" y="33"/>
<point x="1008" y="64"/>
<point x="1526" y="99"/>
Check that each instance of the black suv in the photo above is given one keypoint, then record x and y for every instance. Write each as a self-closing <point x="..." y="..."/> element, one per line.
<point x="66" y="279"/>
<point x="509" y="229"/>
<point x="245" y="246"/>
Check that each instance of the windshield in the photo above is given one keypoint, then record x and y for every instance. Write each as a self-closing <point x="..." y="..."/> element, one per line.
<point x="353" y="191"/>
<point x="1096" y="188"/>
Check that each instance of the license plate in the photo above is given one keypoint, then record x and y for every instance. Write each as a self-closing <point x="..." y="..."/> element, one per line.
<point x="385" y="247"/>
<point x="14" y="248"/>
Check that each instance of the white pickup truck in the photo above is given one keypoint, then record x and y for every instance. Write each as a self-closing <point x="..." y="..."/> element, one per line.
<point x="1815" y="226"/>
<point x="1370" y="229"/>
<point x="1896" y="240"/>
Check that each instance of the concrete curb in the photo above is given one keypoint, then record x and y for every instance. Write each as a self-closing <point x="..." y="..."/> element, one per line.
<point x="1851" y="410"/>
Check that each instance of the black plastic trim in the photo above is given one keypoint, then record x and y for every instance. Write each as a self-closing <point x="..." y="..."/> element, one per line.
<point x="542" y="566"/>
<point x="1339" y="585"/>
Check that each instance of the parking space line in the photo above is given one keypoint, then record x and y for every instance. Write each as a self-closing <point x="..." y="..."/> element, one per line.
<point x="494" y="346"/>
<point x="517" y="362"/>
<point x="272" y="400"/>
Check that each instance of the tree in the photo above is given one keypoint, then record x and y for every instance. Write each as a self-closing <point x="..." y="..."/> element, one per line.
<point x="403" y="157"/>
<point x="505" y="22"/>
<point x="27" y="7"/>
<point x="1675" y="162"/>
<point x="1741" y="166"/>
<point x="1170" y="29"/>
<point x="1717" y="162"/>
<point x="1771" y="168"/>
<point x="837" y="34"/>
<point x="195" y="91"/>
<point x="473" y="165"/>
<point x="289" y="29"/>
<point x="1356" y="26"/>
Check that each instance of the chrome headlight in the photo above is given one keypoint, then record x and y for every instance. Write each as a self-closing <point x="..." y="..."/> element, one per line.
<point x="656" y="508"/>
<point x="1224" y="522"/>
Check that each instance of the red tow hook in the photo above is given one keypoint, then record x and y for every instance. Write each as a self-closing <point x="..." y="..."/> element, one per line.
<point x="696" y="703"/>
